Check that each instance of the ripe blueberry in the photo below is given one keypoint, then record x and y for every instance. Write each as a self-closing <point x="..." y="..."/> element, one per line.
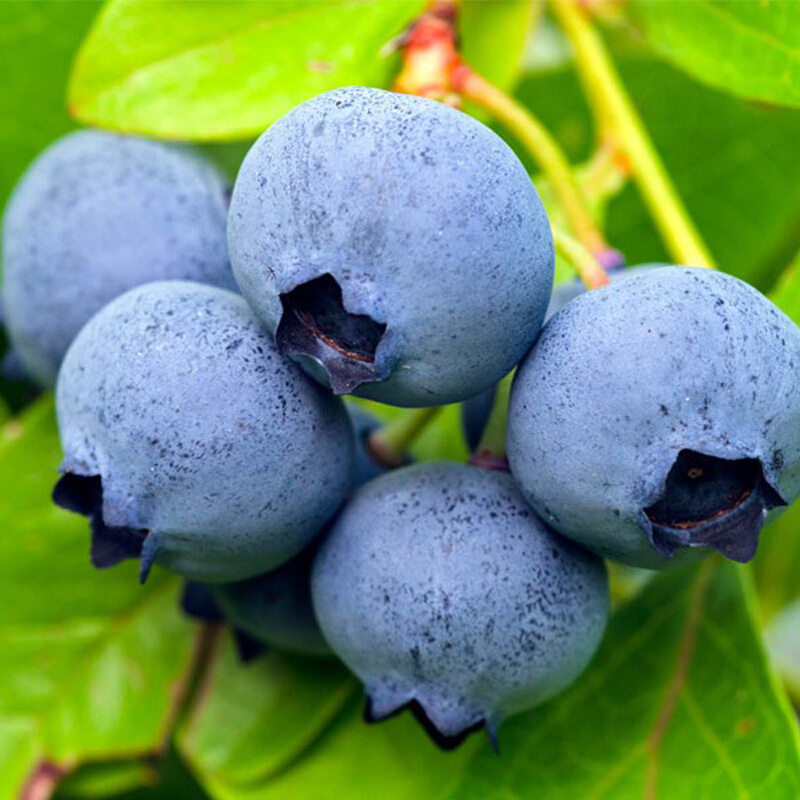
<point x="190" y="441"/>
<point x="275" y="609"/>
<point x="96" y="214"/>
<point x="475" y="411"/>
<point x="394" y="245"/>
<point x="659" y="413"/>
<point x="442" y="591"/>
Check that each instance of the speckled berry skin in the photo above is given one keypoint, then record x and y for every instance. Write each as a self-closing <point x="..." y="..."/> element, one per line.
<point x="439" y="586"/>
<point x="225" y="454"/>
<point x="627" y="376"/>
<point x="475" y="411"/>
<point x="276" y="608"/>
<point x="424" y="217"/>
<point x="95" y="215"/>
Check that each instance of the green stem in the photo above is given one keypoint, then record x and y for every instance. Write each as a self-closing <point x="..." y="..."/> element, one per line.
<point x="538" y="141"/>
<point x="390" y="443"/>
<point x="602" y="177"/>
<point x="492" y="446"/>
<point x="615" y="111"/>
<point x="586" y="265"/>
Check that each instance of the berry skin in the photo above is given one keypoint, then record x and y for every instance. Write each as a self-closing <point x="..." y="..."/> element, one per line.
<point x="95" y="215"/>
<point x="660" y="413"/>
<point x="475" y="411"/>
<point x="275" y="609"/>
<point x="189" y="440"/>
<point x="365" y="465"/>
<point x="394" y="245"/>
<point x="475" y="414"/>
<point x="442" y="591"/>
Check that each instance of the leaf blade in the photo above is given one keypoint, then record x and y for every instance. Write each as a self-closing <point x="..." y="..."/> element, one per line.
<point x="93" y="664"/>
<point x="225" y="70"/>
<point x="656" y="734"/>
<point x="746" y="47"/>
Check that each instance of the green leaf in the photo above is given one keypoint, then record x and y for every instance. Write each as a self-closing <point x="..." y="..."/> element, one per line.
<point x="679" y="702"/>
<point x="37" y="42"/>
<point x="106" y="779"/>
<point x="783" y="643"/>
<point x="240" y="753"/>
<point x="165" y="778"/>
<point x="226" y="70"/>
<point x="441" y="440"/>
<point x="786" y="293"/>
<point x="251" y="720"/>
<point x="778" y="564"/>
<point x="735" y="165"/>
<point x="483" y="26"/>
<point x="18" y="752"/>
<point x="749" y="47"/>
<point x="393" y="760"/>
<point x="92" y="664"/>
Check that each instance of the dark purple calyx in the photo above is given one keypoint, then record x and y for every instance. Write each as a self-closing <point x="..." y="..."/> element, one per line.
<point x="713" y="502"/>
<point x="441" y="740"/>
<point x="197" y="602"/>
<point x="316" y="324"/>
<point x="248" y="648"/>
<point x="83" y="494"/>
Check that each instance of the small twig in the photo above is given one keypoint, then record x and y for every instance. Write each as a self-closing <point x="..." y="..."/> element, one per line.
<point x="430" y="54"/>
<point x="619" y="120"/>
<point x="389" y="444"/>
<point x="586" y="265"/>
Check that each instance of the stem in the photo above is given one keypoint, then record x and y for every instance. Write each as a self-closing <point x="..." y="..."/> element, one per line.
<point x="586" y="265"/>
<point x="206" y="647"/>
<point x="389" y="443"/>
<point x="603" y="175"/>
<point x="491" y="450"/>
<point x="538" y="141"/>
<point x="615" y="111"/>
<point x="430" y="53"/>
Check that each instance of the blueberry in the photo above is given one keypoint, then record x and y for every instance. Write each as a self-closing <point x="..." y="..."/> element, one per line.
<point x="275" y="608"/>
<point x="475" y="411"/>
<point x="660" y="413"/>
<point x="365" y="465"/>
<point x="475" y="414"/>
<point x="394" y="245"/>
<point x="443" y="592"/>
<point x="96" y="214"/>
<point x="191" y="442"/>
<point x="198" y="603"/>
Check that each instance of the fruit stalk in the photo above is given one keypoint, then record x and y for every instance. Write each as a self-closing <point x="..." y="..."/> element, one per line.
<point x="389" y="444"/>
<point x="586" y="265"/>
<point x="615" y="112"/>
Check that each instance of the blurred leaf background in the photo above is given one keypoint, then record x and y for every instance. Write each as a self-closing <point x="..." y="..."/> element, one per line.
<point x="106" y="690"/>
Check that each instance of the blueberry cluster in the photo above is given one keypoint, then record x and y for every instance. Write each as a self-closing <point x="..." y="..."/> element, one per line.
<point x="393" y="248"/>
